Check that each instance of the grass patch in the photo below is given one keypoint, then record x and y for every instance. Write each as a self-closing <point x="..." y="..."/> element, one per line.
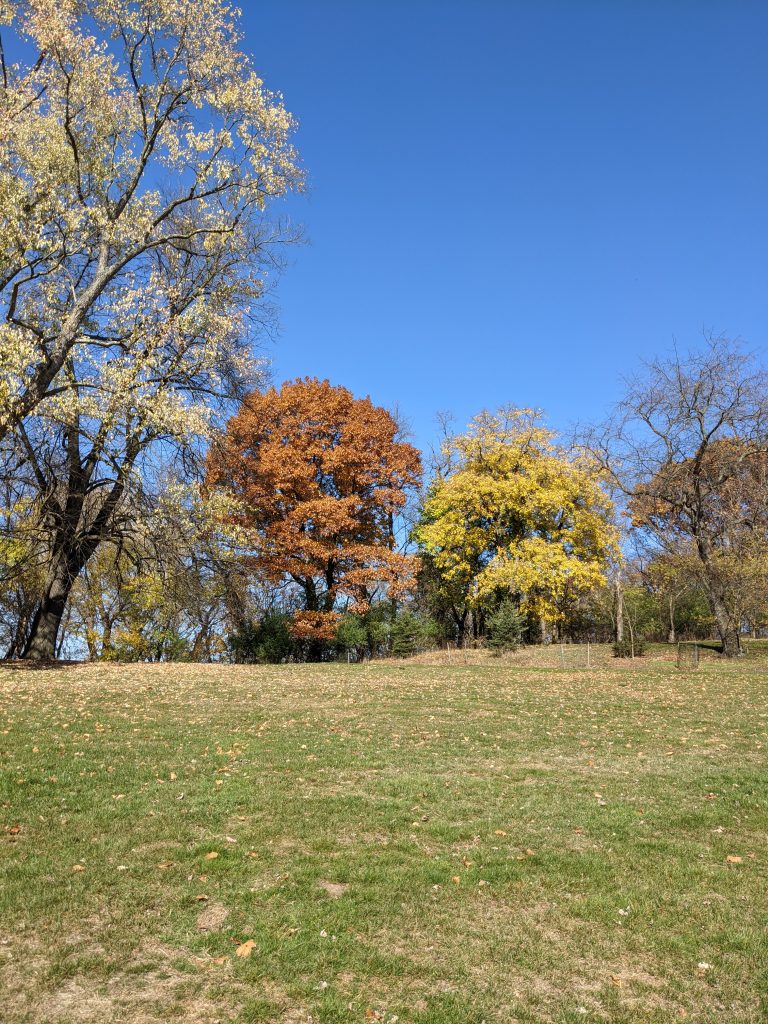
<point x="438" y="844"/>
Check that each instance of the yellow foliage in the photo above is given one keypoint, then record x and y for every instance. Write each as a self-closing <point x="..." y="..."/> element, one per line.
<point x="514" y="513"/>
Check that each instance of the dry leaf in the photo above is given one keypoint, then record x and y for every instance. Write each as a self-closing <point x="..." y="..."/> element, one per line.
<point x="201" y="898"/>
<point x="165" y="864"/>
<point x="456" y="880"/>
<point x="212" y="855"/>
<point x="733" y="859"/>
<point x="78" y="867"/>
<point x="499" y="832"/>
<point x="245" y="948"/>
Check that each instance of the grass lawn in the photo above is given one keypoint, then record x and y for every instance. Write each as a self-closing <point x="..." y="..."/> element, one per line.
<point x="435" y="844"/>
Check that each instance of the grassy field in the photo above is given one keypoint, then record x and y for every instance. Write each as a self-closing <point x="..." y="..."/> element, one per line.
<point x="435" y="844"/>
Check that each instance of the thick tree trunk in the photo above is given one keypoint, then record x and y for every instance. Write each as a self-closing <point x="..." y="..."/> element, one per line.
<point x="727" y="629"/>
<point x="727" y="626"/>
<point x="44" y="632"/>
<point x="66" y="566"/>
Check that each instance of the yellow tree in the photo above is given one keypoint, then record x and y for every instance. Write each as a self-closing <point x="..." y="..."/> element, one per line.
<point x="513" y="515"/>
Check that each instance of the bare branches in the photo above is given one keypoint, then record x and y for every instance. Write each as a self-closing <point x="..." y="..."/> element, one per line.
<point x="687" y="447"/>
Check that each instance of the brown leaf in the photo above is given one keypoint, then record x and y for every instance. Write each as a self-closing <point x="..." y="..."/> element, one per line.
<point x="245" y="948"/>
<point x="733" y="859"/>
<point x="212" y="855"/>
<point x="78" y="867"/>
<point x="499" y="832"/>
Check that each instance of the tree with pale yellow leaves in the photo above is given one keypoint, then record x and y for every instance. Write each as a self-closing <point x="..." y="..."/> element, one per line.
<point x="512" y="516"/>
<point x="139" y="153"/>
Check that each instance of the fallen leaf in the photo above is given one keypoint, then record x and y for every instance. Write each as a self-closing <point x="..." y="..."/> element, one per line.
<point x="78" y="867"/>
<point x="212" y="855"/>
<point x="499" y="832"/>
<point x="165" y="864"/>
<point x="456" y="880"/>
<point x="201" y="898"/>
<point x="245" y="948"/>
<point x="733" y="859"/>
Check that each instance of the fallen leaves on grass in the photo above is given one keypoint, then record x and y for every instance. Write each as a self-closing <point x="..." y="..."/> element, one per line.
<point x="245" y="948"/>
<point x="212" y="855"/>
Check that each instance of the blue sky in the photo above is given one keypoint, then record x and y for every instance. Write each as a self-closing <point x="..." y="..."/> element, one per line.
<point x="516" y="202"/>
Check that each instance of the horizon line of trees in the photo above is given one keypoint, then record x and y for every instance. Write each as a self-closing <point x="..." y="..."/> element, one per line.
<point x="307" y="533"/>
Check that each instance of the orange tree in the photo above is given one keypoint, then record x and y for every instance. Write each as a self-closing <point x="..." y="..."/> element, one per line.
<point x="318" y="477"/>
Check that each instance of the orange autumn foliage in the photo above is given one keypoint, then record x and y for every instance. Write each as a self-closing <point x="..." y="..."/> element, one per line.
<point x="320" y="476"/>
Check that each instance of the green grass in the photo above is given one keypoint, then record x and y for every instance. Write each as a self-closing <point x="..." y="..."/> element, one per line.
<point x="445" y="844"/>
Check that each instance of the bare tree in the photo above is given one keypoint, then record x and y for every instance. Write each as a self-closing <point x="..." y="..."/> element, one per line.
<point x="687" y="446"/>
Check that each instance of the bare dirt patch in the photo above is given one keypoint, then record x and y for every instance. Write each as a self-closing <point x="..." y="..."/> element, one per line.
<point x="212" y="917"/>
<point x="334" y="889"/>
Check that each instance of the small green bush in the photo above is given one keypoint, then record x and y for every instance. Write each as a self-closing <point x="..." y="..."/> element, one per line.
<point x="626" y="648"/>
<point x="505" y="628"/>
<point x="268" y="641"/>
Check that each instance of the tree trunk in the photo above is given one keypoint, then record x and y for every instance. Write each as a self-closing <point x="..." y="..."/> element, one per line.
<point x="727" y="628"/>
<point x="66" y="566"/>
<point x="468" y="629"/>
<point x="44" y="632"/>
<point x="545" y="632"/>
<point x="619" y="598"/>
<point x="671" y="637"/>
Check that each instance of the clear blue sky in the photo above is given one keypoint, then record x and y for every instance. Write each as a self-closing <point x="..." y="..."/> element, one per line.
<point x="515" y="202"/>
